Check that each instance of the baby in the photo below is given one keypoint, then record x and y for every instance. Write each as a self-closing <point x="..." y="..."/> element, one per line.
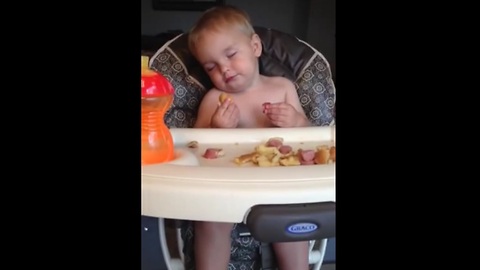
<point x="226" y="45"/>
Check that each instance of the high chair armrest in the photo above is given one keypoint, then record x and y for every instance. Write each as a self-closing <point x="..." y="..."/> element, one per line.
<point x="292" y="222"/>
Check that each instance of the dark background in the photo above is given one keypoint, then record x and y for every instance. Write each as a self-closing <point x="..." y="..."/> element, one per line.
<point x="310" y="20"/>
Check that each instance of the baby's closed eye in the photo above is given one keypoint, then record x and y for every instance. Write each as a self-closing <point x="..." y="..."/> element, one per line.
<point x="209" y="67"/>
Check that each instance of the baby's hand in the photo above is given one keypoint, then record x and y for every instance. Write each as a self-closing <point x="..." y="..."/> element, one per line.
<point x="226" y="115"/>
<point x="283" y="115"/>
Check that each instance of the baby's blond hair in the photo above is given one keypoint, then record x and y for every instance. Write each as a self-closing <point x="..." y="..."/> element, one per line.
<point x="217" y="18"/>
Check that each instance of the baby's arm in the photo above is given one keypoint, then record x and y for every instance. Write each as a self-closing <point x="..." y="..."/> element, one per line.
<point x="293" y="99"/>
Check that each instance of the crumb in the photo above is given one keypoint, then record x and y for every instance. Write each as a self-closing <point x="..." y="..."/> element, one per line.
<point x="192" y="144"/>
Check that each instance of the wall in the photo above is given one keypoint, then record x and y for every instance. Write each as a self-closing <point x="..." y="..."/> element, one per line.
<point x="321" y="29"/>
<point x="285" y="15"/>
<point x="154" y="21"/>
<point x="310" y="20"/>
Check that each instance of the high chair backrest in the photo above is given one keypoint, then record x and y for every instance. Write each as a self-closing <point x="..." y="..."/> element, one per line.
<point x="282" y="55"/>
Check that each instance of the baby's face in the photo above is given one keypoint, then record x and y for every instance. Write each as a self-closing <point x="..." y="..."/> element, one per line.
<point x="229" y="57"/>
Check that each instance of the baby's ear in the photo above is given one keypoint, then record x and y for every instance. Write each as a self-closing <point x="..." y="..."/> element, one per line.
<point x="256" y="45"/>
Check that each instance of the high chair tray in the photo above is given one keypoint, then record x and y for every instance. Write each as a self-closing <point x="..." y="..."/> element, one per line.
<point x="192" y="187"/>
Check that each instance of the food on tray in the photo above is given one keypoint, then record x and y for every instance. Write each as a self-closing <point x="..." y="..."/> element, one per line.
<point x="322" y="155"/>
<point x="306" y="157"/>
<point x="192" y="144"/>
<point x="290" y="161"/>
<point x="265" y="150"/>
<point x="223" y="97"/>
<point x="250" y="157"/>
<point x="212" y="153"/>
<point x="325" y="154"/>
<point x="268" y="161"/>
<point x="332" y="153"/>
<point x="285" y="150"/>
<point x="275" y="141"/>
<point x="275" y="153"/>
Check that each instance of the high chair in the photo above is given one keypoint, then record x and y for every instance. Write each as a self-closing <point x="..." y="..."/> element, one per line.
<point x="282" y="55"/>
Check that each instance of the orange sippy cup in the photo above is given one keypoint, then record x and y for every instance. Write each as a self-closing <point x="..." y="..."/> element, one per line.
<point x="157" y="97"/>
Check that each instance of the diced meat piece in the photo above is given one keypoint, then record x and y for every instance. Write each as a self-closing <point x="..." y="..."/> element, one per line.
<point x="285" y="149"/>
<point x="264" y="105"/>
<point x="274" y="142"/>
<point x="212" y="153"/>
<point x="306" y="155"/>
<point x="310" y="162"/>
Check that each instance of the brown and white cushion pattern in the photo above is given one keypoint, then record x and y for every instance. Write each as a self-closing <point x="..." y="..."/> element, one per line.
<point x="244" y="251"/>
<point x="188" y="91"/>
<point x="316" y="90"/>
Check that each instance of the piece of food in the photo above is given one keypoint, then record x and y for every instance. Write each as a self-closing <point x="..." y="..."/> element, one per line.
<point x="306" y="155"/>
<point x="322" y="156"/>
<point x="265" y="150"/>
<point x="223" y="97"/>
<point x="323" y="146"/>
<point x="290" y="161"/>
<point x="212" y="153"/>
<point x="274" y="142"/>
<point x="264" y="107"/>
<point x="268" y="161"/>
<point x="285" y="150"/>
<point x="243" y="159"/>
<point x="192" y="144"/>
<point x="332" y="153"/>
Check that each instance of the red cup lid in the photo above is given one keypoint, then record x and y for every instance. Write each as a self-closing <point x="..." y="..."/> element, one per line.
<point x="154" y="85"/>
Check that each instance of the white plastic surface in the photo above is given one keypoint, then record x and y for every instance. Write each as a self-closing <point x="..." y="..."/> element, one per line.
<point x="194" y="188"/>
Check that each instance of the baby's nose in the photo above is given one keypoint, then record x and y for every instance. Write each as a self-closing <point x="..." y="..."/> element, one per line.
<point x="224" y="68"/>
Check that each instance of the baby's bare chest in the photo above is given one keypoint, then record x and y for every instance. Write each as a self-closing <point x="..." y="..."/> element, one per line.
<point x="251" y="111"/>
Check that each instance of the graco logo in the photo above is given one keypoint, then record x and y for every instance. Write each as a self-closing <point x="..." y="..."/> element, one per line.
<point x="299" y="228"/>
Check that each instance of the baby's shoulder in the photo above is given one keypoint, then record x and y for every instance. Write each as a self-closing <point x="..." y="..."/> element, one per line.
<point x="210" y="98"/>
<point x="213" y="93"/>
<point x="278" y="81"/>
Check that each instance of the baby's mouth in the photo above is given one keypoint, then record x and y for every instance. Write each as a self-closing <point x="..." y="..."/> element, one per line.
<point x="228" y="79"/>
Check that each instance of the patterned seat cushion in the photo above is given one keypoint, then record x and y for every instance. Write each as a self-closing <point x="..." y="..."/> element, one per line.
<point x="188" y="91"/>
<point x="244" y="251"/>
<point x="282" y="55"/>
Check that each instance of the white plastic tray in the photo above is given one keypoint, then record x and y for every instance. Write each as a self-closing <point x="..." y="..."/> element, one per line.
<point x="194" y="188"/>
